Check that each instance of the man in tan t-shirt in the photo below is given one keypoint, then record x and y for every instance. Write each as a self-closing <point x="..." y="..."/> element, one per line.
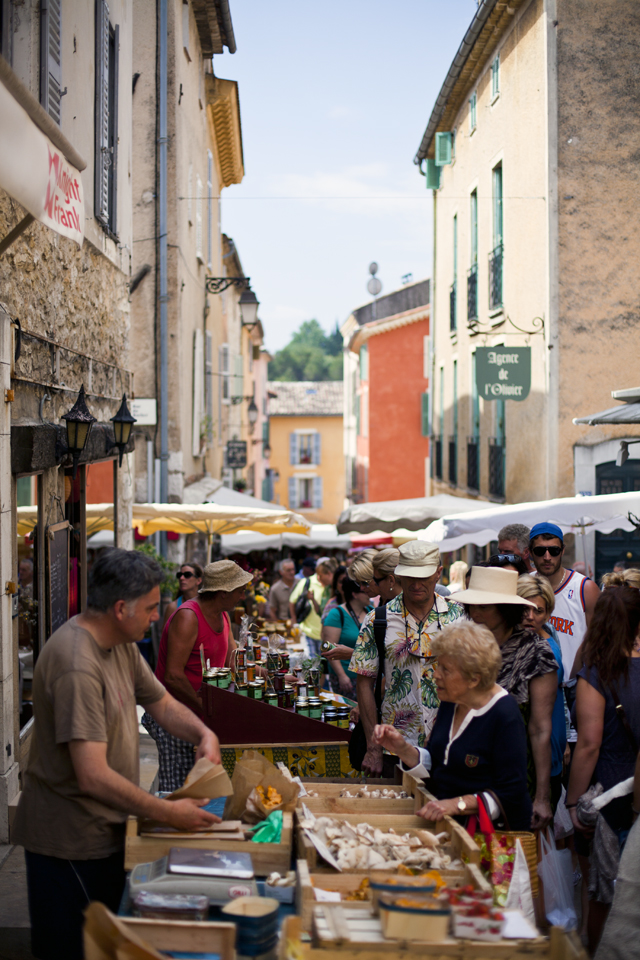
<point x="278" y="603"/>
<point x="81" y="782"/>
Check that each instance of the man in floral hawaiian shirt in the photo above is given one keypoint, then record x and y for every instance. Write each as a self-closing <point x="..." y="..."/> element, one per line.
<point x="410" y="700"/>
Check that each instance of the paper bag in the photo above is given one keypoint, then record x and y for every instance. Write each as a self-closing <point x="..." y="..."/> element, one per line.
<point x="519" y="894"/>
<point x="107" y="938"/>
<point x="251" y="770"/>
<point x="205" y="781"/>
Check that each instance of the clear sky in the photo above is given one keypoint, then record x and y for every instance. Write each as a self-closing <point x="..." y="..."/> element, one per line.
<point x="334" y="99"/>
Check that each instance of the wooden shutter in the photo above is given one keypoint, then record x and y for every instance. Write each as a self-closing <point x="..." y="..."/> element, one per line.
<point x="199" y="253"/>
<point x="198" y="385"/>
<point x="443" y="149"/>
<point x="208" y="383"/>
<point x="293" y="448"/>
<point x="102" y="155"/>
<point x="224" y="372"/>
<point x="316" y="448"/>
<point x="209" y="208"/>
<point x="238" y="380"/>
<point x="317" y="493"/>
<point x="50" y="57"/>
<point x="425" y="414"/>
<point x="293" y="497"/>
<point x="432" y="174"/>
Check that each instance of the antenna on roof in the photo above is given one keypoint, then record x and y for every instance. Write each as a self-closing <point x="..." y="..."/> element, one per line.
<point x="374" y="286"/>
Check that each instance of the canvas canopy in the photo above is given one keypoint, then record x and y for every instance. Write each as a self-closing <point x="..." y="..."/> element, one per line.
<point x="388" y="515"/>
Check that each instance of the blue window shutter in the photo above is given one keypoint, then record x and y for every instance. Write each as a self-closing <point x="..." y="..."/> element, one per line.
<point x="432" y="175"/>
<point x="102" y="158"/>
<point x="317" y="493"/>
<point x="293" y="499"/>
<point x="51" y="57"/>
<point x="443" y="149"/>
<point x="293" y="448"/>
<point x="316" y="448"/>
<point x="425" y="414"/>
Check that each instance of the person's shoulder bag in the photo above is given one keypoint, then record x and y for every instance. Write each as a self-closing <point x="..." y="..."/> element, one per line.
<point x="618" y="812"/>
<point x="358" y="741"/>
<point x="303" y="604"/>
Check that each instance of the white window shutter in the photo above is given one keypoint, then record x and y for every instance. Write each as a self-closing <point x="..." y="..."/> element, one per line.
<point x="316" y="448"/>
<point x="198" y="391"/>
<point x="190" y="194"/>
<point x="208" y="383"/>
<point x="199" y="253"/>
<point x="293" y="498"/>
<point x="51" y="57"/>
<point x="209" y="209"/>
<point x="317" y="493"/>
<point x="238" y="379"/>
<point x="293" y="448"/>
<point x="102" y="155"/>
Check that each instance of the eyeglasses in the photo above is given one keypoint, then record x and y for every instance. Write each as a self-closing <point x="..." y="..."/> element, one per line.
<point x="552" y="551"/>
<point x="506" y="557"/>
<point x="184" y="576"/>
<point x="363" y="584"/>
<point x="378" y="580"/>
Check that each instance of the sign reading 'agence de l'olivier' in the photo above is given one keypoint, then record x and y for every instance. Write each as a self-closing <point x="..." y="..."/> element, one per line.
<point x="503" y="373"/>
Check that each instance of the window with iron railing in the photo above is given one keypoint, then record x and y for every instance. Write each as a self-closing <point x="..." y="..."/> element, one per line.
<point x="473" y="463"/>
<point x="496" y="467"/>
<point x="472" y="293"/>
<point x="452" y="307"/>
<point x="453" y="460"/>
<point x="495" y="277"/>
<point x="437" y="457"/>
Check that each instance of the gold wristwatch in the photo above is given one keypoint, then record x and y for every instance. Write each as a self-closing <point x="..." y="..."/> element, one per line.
<point x="461" y="805"/>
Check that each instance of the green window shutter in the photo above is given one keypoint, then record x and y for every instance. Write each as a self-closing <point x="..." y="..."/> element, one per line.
<point x="473" y="109"/>
<point x="425" y="414"/>
<point x="495" y="77"/>
<point x="443" y="149"/>
<point x="432" y="175"/>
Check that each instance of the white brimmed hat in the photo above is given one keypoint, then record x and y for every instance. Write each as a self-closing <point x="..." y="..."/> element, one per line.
<point x="492" y="585"/>
<point x="223" y="575"/>
<point x="418" y="559"/>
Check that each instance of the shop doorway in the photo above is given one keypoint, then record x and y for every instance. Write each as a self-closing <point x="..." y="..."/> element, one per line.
<point x="619" y="546"/>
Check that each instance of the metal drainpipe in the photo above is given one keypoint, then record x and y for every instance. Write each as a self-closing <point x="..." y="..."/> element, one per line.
<point x="162" y="248"/>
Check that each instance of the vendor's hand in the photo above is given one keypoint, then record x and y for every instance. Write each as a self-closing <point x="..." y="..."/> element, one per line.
<point x="187" y="815"/>
<point x="385" y="735"/>
<point x="346" y="687"/>
<point x="340" y="652"/>
<point x="354" y="716"/>
<point x="542" y="814"/>
<point x="566" y="756"/>
<point x="372" y="762"/>
<point x="209" y="747"/>
<point x="578" y="825"/>
<point x="437" y="809"/>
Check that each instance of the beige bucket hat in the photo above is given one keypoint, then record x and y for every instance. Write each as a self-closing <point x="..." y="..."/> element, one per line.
<point x="418" y="559"/>
<point x="223" y="575"/>
<point x="492" y="585"/>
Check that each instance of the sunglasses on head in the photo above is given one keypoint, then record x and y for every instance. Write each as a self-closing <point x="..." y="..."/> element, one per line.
<point x="504" y="557"/>
<point x="184" y="574"/>
<point x="552" y="551"/>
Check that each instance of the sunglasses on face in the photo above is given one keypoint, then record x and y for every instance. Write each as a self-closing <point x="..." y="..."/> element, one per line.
<point x="362" y="584"/>
<point x="552" y="551"/>
<point x="505" y="557"/>
<point x="184" y="575"/>
<point x="378" y="580"/>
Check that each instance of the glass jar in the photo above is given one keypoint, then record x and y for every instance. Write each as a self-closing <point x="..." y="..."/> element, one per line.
<point x="242" y="689"/>
<point x="255" y="690"/>
<point x="331" y="716"/>
<point x="289" y="696"/>
<point x="315" y="708"/>
<point x="251" y="671"/>
<point x="302" y="706"/>
<point x="224" y="678"/>
<point x="271" y="699"/>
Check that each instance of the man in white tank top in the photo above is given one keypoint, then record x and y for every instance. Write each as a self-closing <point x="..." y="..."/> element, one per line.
<point x="575" y="595"/>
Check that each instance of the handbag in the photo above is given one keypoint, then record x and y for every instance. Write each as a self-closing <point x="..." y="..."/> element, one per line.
<point x="498" y="849"/>
<point x="358" y="739"/>
<point x="303" y="604"/>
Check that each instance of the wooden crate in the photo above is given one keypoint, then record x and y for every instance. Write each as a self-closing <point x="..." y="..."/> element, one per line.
<point x="185" y="935"/>
<point x="461" y="844"/>
<point x="346" y="883"/>
<point x="337" y="805"/>
<point x="294" y="944"/>
<point x="266" y="857"/>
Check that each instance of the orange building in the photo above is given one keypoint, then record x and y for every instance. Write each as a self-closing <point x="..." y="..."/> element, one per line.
<point x="386" y="397"/>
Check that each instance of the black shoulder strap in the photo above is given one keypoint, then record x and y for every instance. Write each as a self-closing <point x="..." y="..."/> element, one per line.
<point x="379" y="634"/>
<point x="341" y="612"/>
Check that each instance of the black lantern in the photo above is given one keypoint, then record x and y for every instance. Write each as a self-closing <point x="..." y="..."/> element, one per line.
<point x="122" y="424"/>
<point x="79" y="423"/>
<point x="252" y="412"/>
<point x="249" y="304"/>
<point x="266" y="450"/>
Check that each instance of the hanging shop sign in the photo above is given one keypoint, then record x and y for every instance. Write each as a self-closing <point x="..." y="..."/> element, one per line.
<point x="36" y="174"/>
<point x="236" y="454"/>
<point x="503" y="373"/>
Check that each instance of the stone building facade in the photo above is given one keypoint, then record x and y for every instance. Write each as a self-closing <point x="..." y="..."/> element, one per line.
<point x="535" y="242"/>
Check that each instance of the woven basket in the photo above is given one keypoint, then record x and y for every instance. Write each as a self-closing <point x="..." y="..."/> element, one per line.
<point x="530" y="847"/>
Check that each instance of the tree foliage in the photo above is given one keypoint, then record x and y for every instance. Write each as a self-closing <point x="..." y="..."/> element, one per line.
<point x="309" y="355"/>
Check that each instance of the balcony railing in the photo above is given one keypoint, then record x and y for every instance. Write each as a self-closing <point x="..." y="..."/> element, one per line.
<point x="473" y="463"/>
<point x="495" y="277"/>
<point x="437" y="457"/>
<point x="472" y="293"/>
<point x="452" y="308"/>
<point x="496" y="467"/>
<point x="453" y="460"/>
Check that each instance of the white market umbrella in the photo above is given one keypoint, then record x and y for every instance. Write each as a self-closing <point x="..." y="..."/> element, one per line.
<point x="322" y="535"/>
<point x="388" y="515"/>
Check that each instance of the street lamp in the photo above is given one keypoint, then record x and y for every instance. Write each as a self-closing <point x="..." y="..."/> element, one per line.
<point x="248" y="304"/>
<point x="252" y="412"/>
<point x="266" y="450"/>
<point x="79" y="424"/>
<point x="122" y="425"/>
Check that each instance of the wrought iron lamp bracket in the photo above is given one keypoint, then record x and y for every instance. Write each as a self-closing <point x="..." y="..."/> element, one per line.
<point x="220" y="284"/>
<point x="537" y="324"/>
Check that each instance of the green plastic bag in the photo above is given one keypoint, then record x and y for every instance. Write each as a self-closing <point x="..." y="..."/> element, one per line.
<point x="270" y="830"/>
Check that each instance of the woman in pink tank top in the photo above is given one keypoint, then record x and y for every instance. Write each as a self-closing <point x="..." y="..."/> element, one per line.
<point x="203" y="620"/>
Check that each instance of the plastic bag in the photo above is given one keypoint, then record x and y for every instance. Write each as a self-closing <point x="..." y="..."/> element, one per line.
<point x="562" y="822"/>
<point x="519" y="894"/>
<point x="556" y="872"/>
<point x="270" y="830"/>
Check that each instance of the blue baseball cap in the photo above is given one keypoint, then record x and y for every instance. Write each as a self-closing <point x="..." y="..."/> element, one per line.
<point x="548" y="529"/>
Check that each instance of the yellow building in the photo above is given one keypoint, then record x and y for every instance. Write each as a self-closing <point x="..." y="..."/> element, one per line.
<point x="306" y="440"/>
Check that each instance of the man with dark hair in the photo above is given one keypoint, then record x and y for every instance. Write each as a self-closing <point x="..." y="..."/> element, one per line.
<point x="514" y="538"/>
<point x="81" y="782"/>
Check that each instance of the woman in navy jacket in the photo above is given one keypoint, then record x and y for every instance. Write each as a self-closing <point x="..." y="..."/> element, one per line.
<point x="478" y="745"/>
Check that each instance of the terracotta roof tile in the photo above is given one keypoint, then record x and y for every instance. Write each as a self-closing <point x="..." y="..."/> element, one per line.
<point x="311" y="398"/>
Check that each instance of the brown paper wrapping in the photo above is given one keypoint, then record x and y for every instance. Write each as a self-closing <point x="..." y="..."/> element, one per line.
<point x="250" y="771"/>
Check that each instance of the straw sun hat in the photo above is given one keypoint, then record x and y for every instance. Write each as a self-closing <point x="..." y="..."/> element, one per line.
<point x="489" y="585"/>
<point x="223" y="575"/>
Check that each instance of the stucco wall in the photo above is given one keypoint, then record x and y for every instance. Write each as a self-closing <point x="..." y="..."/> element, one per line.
<point x="397" y="449"/>
<point x="331" y="467"/>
